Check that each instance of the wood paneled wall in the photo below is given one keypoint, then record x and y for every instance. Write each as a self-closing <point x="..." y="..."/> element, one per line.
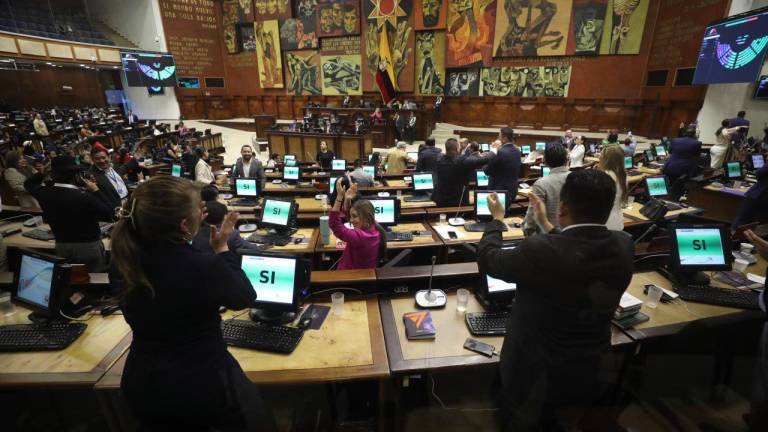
<point x="44" y="88"/>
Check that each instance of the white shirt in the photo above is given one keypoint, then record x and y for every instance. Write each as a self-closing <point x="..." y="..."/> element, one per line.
<point x="203" y="173"/>
<point x="581" y="225"/>
<point x="117" y="182"/>
<point x="246" y="168"/>
<point x="616" y="219"/>
<point x="576" y="156"/>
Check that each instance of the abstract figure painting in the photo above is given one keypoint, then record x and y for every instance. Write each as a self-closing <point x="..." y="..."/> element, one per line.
<point x="338" y="17"/>
<point x="624" y="26"/>
<point x="293" y="35"/>
<point x="268" y="54"/>
<point x="535" y="81"/>
<point x="342" y="75"/>
<point x="429" y="14"/>
<point x="587" y="24"/>
<point x="272" y="9"/>
<point x="302" y="73"/>
<point x="462" y="82"/>
<point x="396" y="46"/>
<point x="469" y="32"/>
<point x="430" y="63"/>
<point x="531" y="28"/>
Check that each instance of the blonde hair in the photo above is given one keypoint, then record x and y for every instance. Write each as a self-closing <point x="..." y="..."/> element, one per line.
<point x="151" y="217"/>
<point x="612" y="159"/>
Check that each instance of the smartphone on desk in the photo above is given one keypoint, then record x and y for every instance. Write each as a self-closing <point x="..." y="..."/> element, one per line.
<point x="453" y="235"/>
<point x="480" y="347"/>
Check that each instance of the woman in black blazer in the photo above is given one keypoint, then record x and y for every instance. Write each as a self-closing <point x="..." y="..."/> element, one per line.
<point x="179" y="374"/>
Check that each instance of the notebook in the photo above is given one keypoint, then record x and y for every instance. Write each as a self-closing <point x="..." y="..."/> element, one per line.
<point x="419" y="325"/>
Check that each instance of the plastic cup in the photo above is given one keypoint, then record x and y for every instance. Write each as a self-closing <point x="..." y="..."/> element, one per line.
<point x="337" y="303"/>
<point x="443" y="217"/>
<point x="653" y="297"/>
<point x="746" y="248"/>
<point x="740" y="265"/>
<point x="6" y="307"/>
<point x="399" y="194"/>
<point x="325" y="230"/>
<point x="462" y="298"/>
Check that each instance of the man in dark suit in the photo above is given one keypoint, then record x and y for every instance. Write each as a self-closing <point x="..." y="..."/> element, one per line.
<point x="453" y="173"/>
<point x="569" y="283"/>
<point x="684" y="153"/>
<point x="248" y="166"/>
<point x="132" y="118"/>
<point x="108" y="180"/>
<point x="740" y="120"/>
<point x="428" y="156"/>
<point x="504" y="169"/>
<point x="754" y="207"/>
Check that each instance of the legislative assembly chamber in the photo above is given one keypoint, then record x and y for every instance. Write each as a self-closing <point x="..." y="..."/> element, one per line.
<point x="383" y="215"/>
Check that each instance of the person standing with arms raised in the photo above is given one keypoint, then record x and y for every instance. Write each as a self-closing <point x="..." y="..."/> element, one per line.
<point x="504" y="169"/>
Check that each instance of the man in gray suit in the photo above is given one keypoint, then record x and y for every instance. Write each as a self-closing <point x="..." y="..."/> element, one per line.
<point x="248" y="166"/>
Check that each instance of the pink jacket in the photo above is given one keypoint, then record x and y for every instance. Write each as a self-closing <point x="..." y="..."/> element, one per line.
<point x="362" y="251"/>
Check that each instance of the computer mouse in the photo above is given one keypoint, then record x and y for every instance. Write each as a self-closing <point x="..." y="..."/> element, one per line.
<point x="517" y="225"/>
<point x="297" y="241"/>
<point x="305" y="322"/>
<point x="227" y="196"/>
<point x="246" y="228"/>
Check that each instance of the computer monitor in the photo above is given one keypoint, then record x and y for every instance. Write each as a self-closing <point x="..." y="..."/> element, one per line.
<point x="290" y="162"/>
<point x="733" y="170"/>
<point x="648" y="156"/>
<point x="278" y="214"/>
<point x="176" y="170"/>
<point x="370" y="170"/>
<point x="339" y="165"/>
<point x="291" y="174"/>
<point x="289" y="157"/>
<point x="386" y="211"/>
<point x="545" y="170"/>
<point x="541" y="146"/>
<point x="629" y="162"/>
<point x="758" y="161"/>
<point x="332" y="184"/>
<point x="246" y="187"/>
<point x="485" y="147"/>
<point x="423" y="182"/>
<point x="482" y="178"/>
<point x="592" y="148"/>
<point x="482" y="213"/>
<point x="39" y="283"/>
<point x="698" y="248"/>
<point x="660" y="150"/>
<point x="279" y="282"/>
<point x="413" y="156"/>
<point x="657" y="186"/>
<point x="525" y="150"/>
<point x="495" y="294"/>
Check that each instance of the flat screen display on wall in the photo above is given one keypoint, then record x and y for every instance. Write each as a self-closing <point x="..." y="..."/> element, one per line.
<point x="149" y="69"/>
<point x="189" y="82"/>
<point x="733" y="49"/>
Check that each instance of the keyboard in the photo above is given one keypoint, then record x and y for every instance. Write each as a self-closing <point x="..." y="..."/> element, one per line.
<point x="729" y="297"/>
<point x="418" y="198"/>
<point x="672" y="206"/>
<point x="487" y="323"/>
<point x="39" y="337"/>
<point x="399" y="236"/>
<point x="39" y="234"/>
<point x="478" y="227"/>
<point x="273" y="239"/>
<point x="260" y="336"/>
<point x="242" y="202"/>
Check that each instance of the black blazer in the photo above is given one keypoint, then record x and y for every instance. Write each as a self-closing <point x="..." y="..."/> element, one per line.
<point x="759" y="189"/>
<point x="428" y="157"/>
<point x="683" y="156"/>
<point x="503" y="171"/>
<point x="105" y="185"/>
<point x="568" y="287"/>
<point x="452" y="176"/>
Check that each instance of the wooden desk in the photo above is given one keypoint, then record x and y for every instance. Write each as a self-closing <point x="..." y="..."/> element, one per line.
<point x="19" y="241"/>
<point x="81" y="364"/>
<point x="465" y="236"/>
<point x="718" y="203"/>
<point x="632" y="213"/>
<point x="418" y="241"/>
<point x="446" y="350"/>
<point x="669" y="318"/>
<point x="424" y="119"/>
<point x="307" y="247"/>
<point x="306" y="145"/>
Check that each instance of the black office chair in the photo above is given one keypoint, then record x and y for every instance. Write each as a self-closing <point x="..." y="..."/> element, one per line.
<point x="400" y="260"/>
<point x="677" y="189"/>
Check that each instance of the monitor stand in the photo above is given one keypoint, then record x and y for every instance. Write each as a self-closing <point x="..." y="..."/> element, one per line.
<point x="686" y="277"/>
<point x="491" y="305"/>
<point x="272" y="317"/>
<point x="39" y="319"/>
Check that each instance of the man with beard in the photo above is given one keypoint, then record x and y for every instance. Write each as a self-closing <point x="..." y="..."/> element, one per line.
<point x="350" y="19"/>
<point x="248" y="166"/>
<point x="430" y="10"/>
<point x="338" y="17"/>
<point x="326" y="20"/>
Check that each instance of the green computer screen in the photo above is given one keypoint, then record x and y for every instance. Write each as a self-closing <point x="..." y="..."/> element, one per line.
<point x="291" y="173"/>
<point x="370" y="170"/>
<point x="661" y="151"/>
<point x="482" y="178"/>
<point x="545" y="171"/>
<point x="482" y="202"/>
<point x="540" y="146"/>
<point x="276" y="212"/>
<point x="525" y="149"/>
<point x="384" y="211"/>
<point x="422" y="182"/>
<point x="734" y="169"/>
<point x="272" y="278"/>
<point x="332" y="184"/>
<point x="700" y="246"/>
<point x="246" y="187"/>
<point x="339" y="165"/>
<point x="290" y="157"/>
<point x="176" y="170"/>
<point x="628" y="162"/>
<point x="657" y="186"/>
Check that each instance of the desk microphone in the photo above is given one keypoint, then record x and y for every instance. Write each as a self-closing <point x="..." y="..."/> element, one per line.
<point x="456" y="220"/>
<point x="647" y="232"/>
<point x="430" y="298"/>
